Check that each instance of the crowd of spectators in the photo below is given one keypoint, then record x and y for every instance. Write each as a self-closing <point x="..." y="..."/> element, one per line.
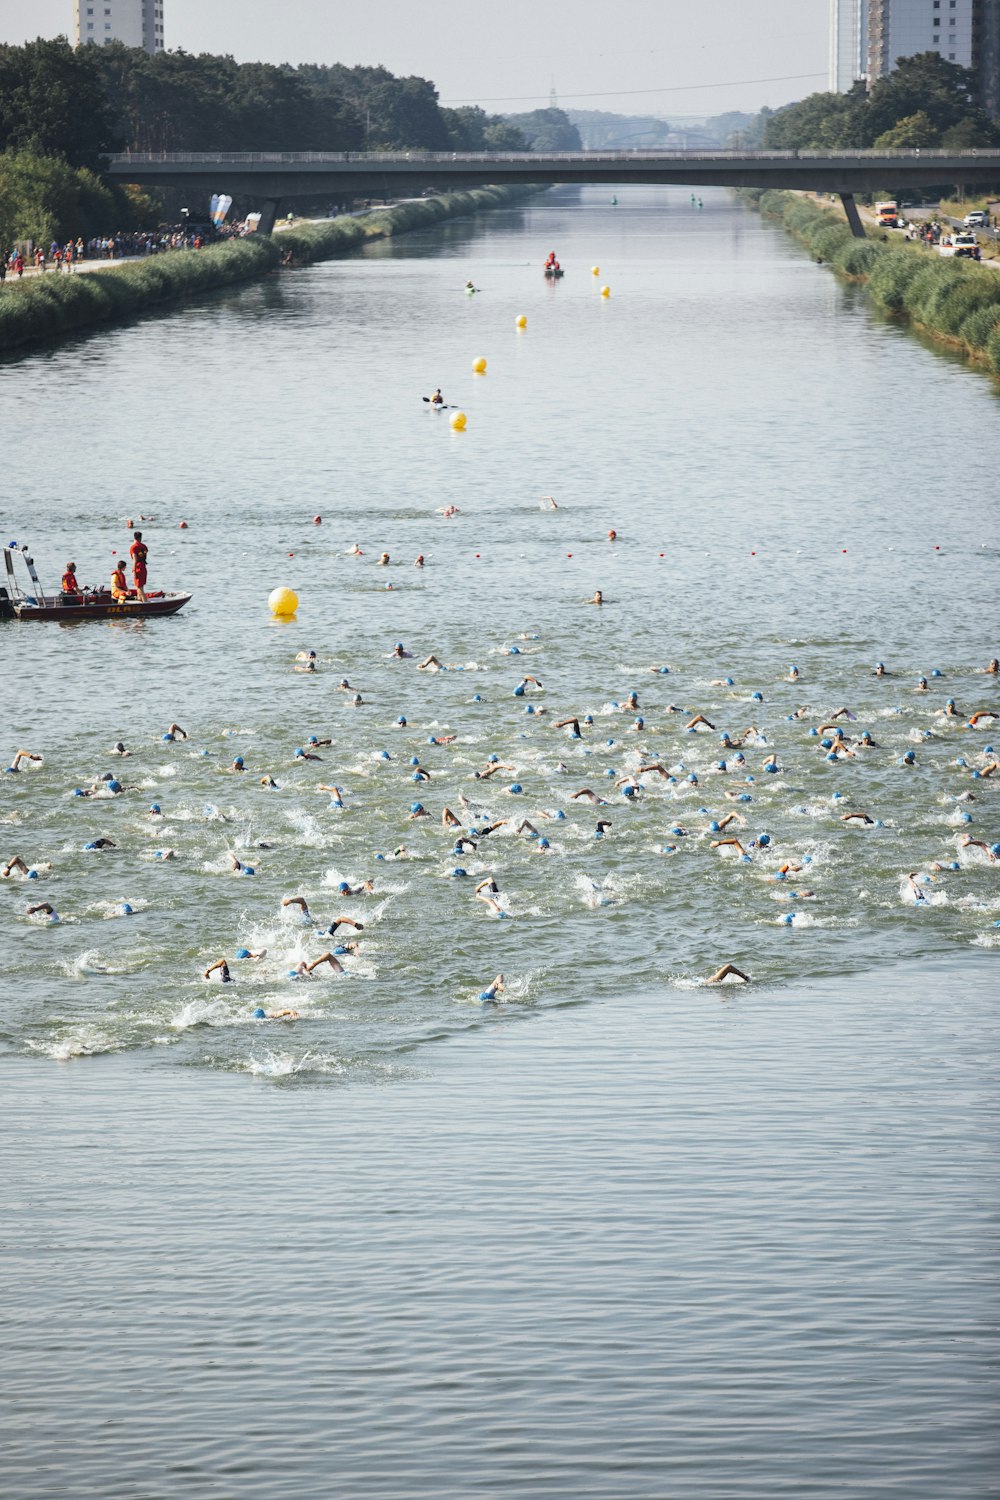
<point x="136" y="245"/>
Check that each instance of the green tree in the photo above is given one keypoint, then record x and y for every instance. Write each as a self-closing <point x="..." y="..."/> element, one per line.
<point x="547" y="130"/>
<point x="44" y="199"/>
<point x="914" y="130"/>
<point x="52" y="103"/>
<point x="925" y="84"/>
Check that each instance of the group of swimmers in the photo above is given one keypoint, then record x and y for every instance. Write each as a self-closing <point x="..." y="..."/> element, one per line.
<point x="467" y="830"/>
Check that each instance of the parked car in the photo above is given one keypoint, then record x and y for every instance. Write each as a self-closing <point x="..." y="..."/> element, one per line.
<point x="977" y="219"/>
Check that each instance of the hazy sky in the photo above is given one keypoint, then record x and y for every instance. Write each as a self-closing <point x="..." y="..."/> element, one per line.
<point x="686" y="57"/>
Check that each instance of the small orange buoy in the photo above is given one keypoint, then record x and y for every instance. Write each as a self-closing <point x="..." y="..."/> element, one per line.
<point x="182" y="526"/>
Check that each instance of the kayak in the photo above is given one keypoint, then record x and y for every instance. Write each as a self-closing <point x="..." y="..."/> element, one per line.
<point x="554" y="272"/>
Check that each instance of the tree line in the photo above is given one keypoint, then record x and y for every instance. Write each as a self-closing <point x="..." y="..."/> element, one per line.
<point x="925" y="102"/>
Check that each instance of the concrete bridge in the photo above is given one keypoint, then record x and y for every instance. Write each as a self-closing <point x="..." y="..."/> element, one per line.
<point x="273" y="178"/>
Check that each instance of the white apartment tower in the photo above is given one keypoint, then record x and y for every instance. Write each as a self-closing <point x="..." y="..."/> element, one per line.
<point x="136" y="23"/>
<point x="902" y="28"/>
<point x="848" y="43"/>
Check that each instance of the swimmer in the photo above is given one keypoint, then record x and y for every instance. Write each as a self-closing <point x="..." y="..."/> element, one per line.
<point x="44" y="909"/>
<point x="23" y="755"/>
<point x="118" y="748"/>
<point x="597" y="599"/>
<point x="915" y="890"/>
<point x="305" y="656"/>
<point x="699" y="719"/>
<point x="343" y="686"/>
<point x="400" y="653"/>
<point x="276" y="1015"/>
<point x="305" y="663"/>
<point x="792" y="675"/>
<point x="993" y="668"/>
<point x="733" y="843"/>
<point x="430" y="664"/>
<point x="221" y="968"/>
<point x="238" y="867"/>
<point x="325" y="958"/>
<point x="525" y="827"/>
<point x="728" y="971"/>
<point x="857" y="817"/>
<point x="984" y="713"/>
<point x="950" y="711"/>
<point x="449" y="820"/>
<point x="493" y="770"/>
<point x="357" y="701"/>
<point x="879" y="670"/>
<point x="175" y="732"/>
<point x="301" y="903"/>
<point x="269" y="781"/>
<point x="331" y="930"/>
<point x="522" y="685"/>
<point x="968" y="842"/>
<point x="238" y="765"/>
<point x="101" y="843"/>
<point x="442" y="739"/>
<point x="493" y="990"/>
<point x="653" y="768"/>
<point x="448" y="511"/>
<point x="547" y="503"/>
<point x="487" y="891"/>
<point x="921" y="686"/>
<point x="306" y="755"/>
<point x="383" y="560"/>
<point x="588" y="796"/>
<point x="731" y="818"/>
<point x="572" y="723"/>
<point x="602" y="827"/>
<point x="17" y="863"/>
<point x="354" y="551"/>
<point x="418" y="561"/>
<point x="490" y="828"/>
<point x="164" y="853"/>
<point x="465" y="845"/>
<point x="612" y="535"/>
<point x="417" y="811"/>
<point x="366" y="888"/>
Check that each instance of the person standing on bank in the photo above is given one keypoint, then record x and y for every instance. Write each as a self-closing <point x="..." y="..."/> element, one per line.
<point x="138" y="553"/>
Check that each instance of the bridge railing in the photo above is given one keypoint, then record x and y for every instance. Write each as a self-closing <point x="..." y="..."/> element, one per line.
<point x="526" y="158"/>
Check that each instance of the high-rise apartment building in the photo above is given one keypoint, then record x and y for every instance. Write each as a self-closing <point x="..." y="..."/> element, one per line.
<point x="848" y="43"/>
<point x="868" y="37"/>
<point x="136" y="23"/>
<point x="902" y="28"/>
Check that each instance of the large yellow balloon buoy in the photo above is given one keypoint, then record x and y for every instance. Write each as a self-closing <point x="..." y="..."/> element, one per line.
<point x="595" y="270"/>
<point x="283" y="602"/>
<point x="522" y="321"/>
<point x="479" y="366"/>
<point x="605" y="291"/>
<point x="458" y="422"/>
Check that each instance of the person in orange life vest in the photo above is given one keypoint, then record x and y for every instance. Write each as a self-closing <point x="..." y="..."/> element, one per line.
<point x="69" y="583"/>
<point x="119" y="583"/>
<point x="138" y="553"/>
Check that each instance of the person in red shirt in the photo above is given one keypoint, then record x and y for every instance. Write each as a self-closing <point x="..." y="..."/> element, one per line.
<point x="119" y="583"/>
<point x="69" y="583"/>
<point x="138" y="553"/>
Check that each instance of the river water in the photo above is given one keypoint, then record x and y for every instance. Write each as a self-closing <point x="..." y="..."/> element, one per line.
<point x="616" y="1234"/>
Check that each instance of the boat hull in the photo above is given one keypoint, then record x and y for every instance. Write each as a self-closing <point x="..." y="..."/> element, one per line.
<point x="98" y="607"/>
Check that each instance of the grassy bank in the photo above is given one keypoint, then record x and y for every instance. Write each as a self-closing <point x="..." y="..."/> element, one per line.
<point x="954" y="301"/>
<point x="53" y="306"/>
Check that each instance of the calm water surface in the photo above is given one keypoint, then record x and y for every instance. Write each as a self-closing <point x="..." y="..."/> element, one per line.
<point x="621" y="1235"/>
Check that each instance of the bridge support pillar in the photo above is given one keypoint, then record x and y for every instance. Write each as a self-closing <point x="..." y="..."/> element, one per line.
<point x="268" y="215"/>
<point x="853" y="217"/>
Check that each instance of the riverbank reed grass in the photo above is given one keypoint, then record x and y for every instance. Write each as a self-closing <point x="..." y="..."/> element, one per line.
<point x="43" y="308"/>
<point x="953" y="300"/>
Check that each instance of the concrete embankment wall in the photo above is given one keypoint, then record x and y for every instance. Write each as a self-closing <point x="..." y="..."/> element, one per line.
<point x="954" y="301"/>
<point x="56" y="305"/>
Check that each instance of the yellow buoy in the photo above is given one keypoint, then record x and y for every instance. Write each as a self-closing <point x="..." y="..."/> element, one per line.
<point x="283" y="602"/>
<point x="605" y="291"/>
<point x="522" y="321"/>
<point x="595" y="270"/>
<point x="458" y="422"/>
<point x="479" y="366"/>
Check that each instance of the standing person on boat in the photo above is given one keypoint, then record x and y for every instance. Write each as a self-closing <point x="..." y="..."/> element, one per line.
<point x="69" y="583"/>
<point x="119" y="583"/>
<point x="551" y="262"/>
<point x="138" y="552"/>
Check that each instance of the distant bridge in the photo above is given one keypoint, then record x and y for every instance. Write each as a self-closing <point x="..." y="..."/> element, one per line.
<point x="271" y="178"/>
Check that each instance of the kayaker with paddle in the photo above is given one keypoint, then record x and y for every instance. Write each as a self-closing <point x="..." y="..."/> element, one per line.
<point x="437" y="399"/>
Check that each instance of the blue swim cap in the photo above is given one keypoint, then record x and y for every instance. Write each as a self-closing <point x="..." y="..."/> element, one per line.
<point x="416" y="776"/>
<point x="238" y="761"/>
<point x="780" y="875"/>
<point x="243" y="953"/>
<point x="745" y="797"/>
<point x="457" y="873"/>
<point x="588" y="718"/>
<point x="399" y="646"/>
<point x="477" y="698"/>
<point x="628" y="791"/>
<point x="787" y="919"/>
<point x="114" y="786"/>
<point x="299" y="753"/>
<point x="713" y="827"/>
<point x="167" y="737"/>
<point x="764" y="839"/>
<point x="609" y="742"/>
<point x="664" y="671"/>
<point x="384" y="755"/>
<point x="248" y="870"/>
<point x="380" y="856"/>
<point x="826" y="744"/>
<point x="514" y="651"/>
<point x="832" y="756"/>
<point x="756" y="697"/>
<point x="544" y="844"/>
<point x="519" y="691"/>
<point x="966" y="817"/>
<point x="529" y="709"/>
<point x="343" y="886"/>
<point x="312" y="740"/>
<point x="32" y="875"/>
<point x="416" y="807"/>
<point x="414" y="760"/>
<point x="995" y="848"/>
<point x="560" y="813"/>
<point x="260" y="1014"/>
<point x="90" y="846"/>
<point x="936" y="673"/>
<point x="693" y="779"/>
<point x="401" y="721"/>
<point x="720" y="765"/>
<point x="126" y="910"/>
<point x="340" y="949"/>
<point x="516" y="787"/>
